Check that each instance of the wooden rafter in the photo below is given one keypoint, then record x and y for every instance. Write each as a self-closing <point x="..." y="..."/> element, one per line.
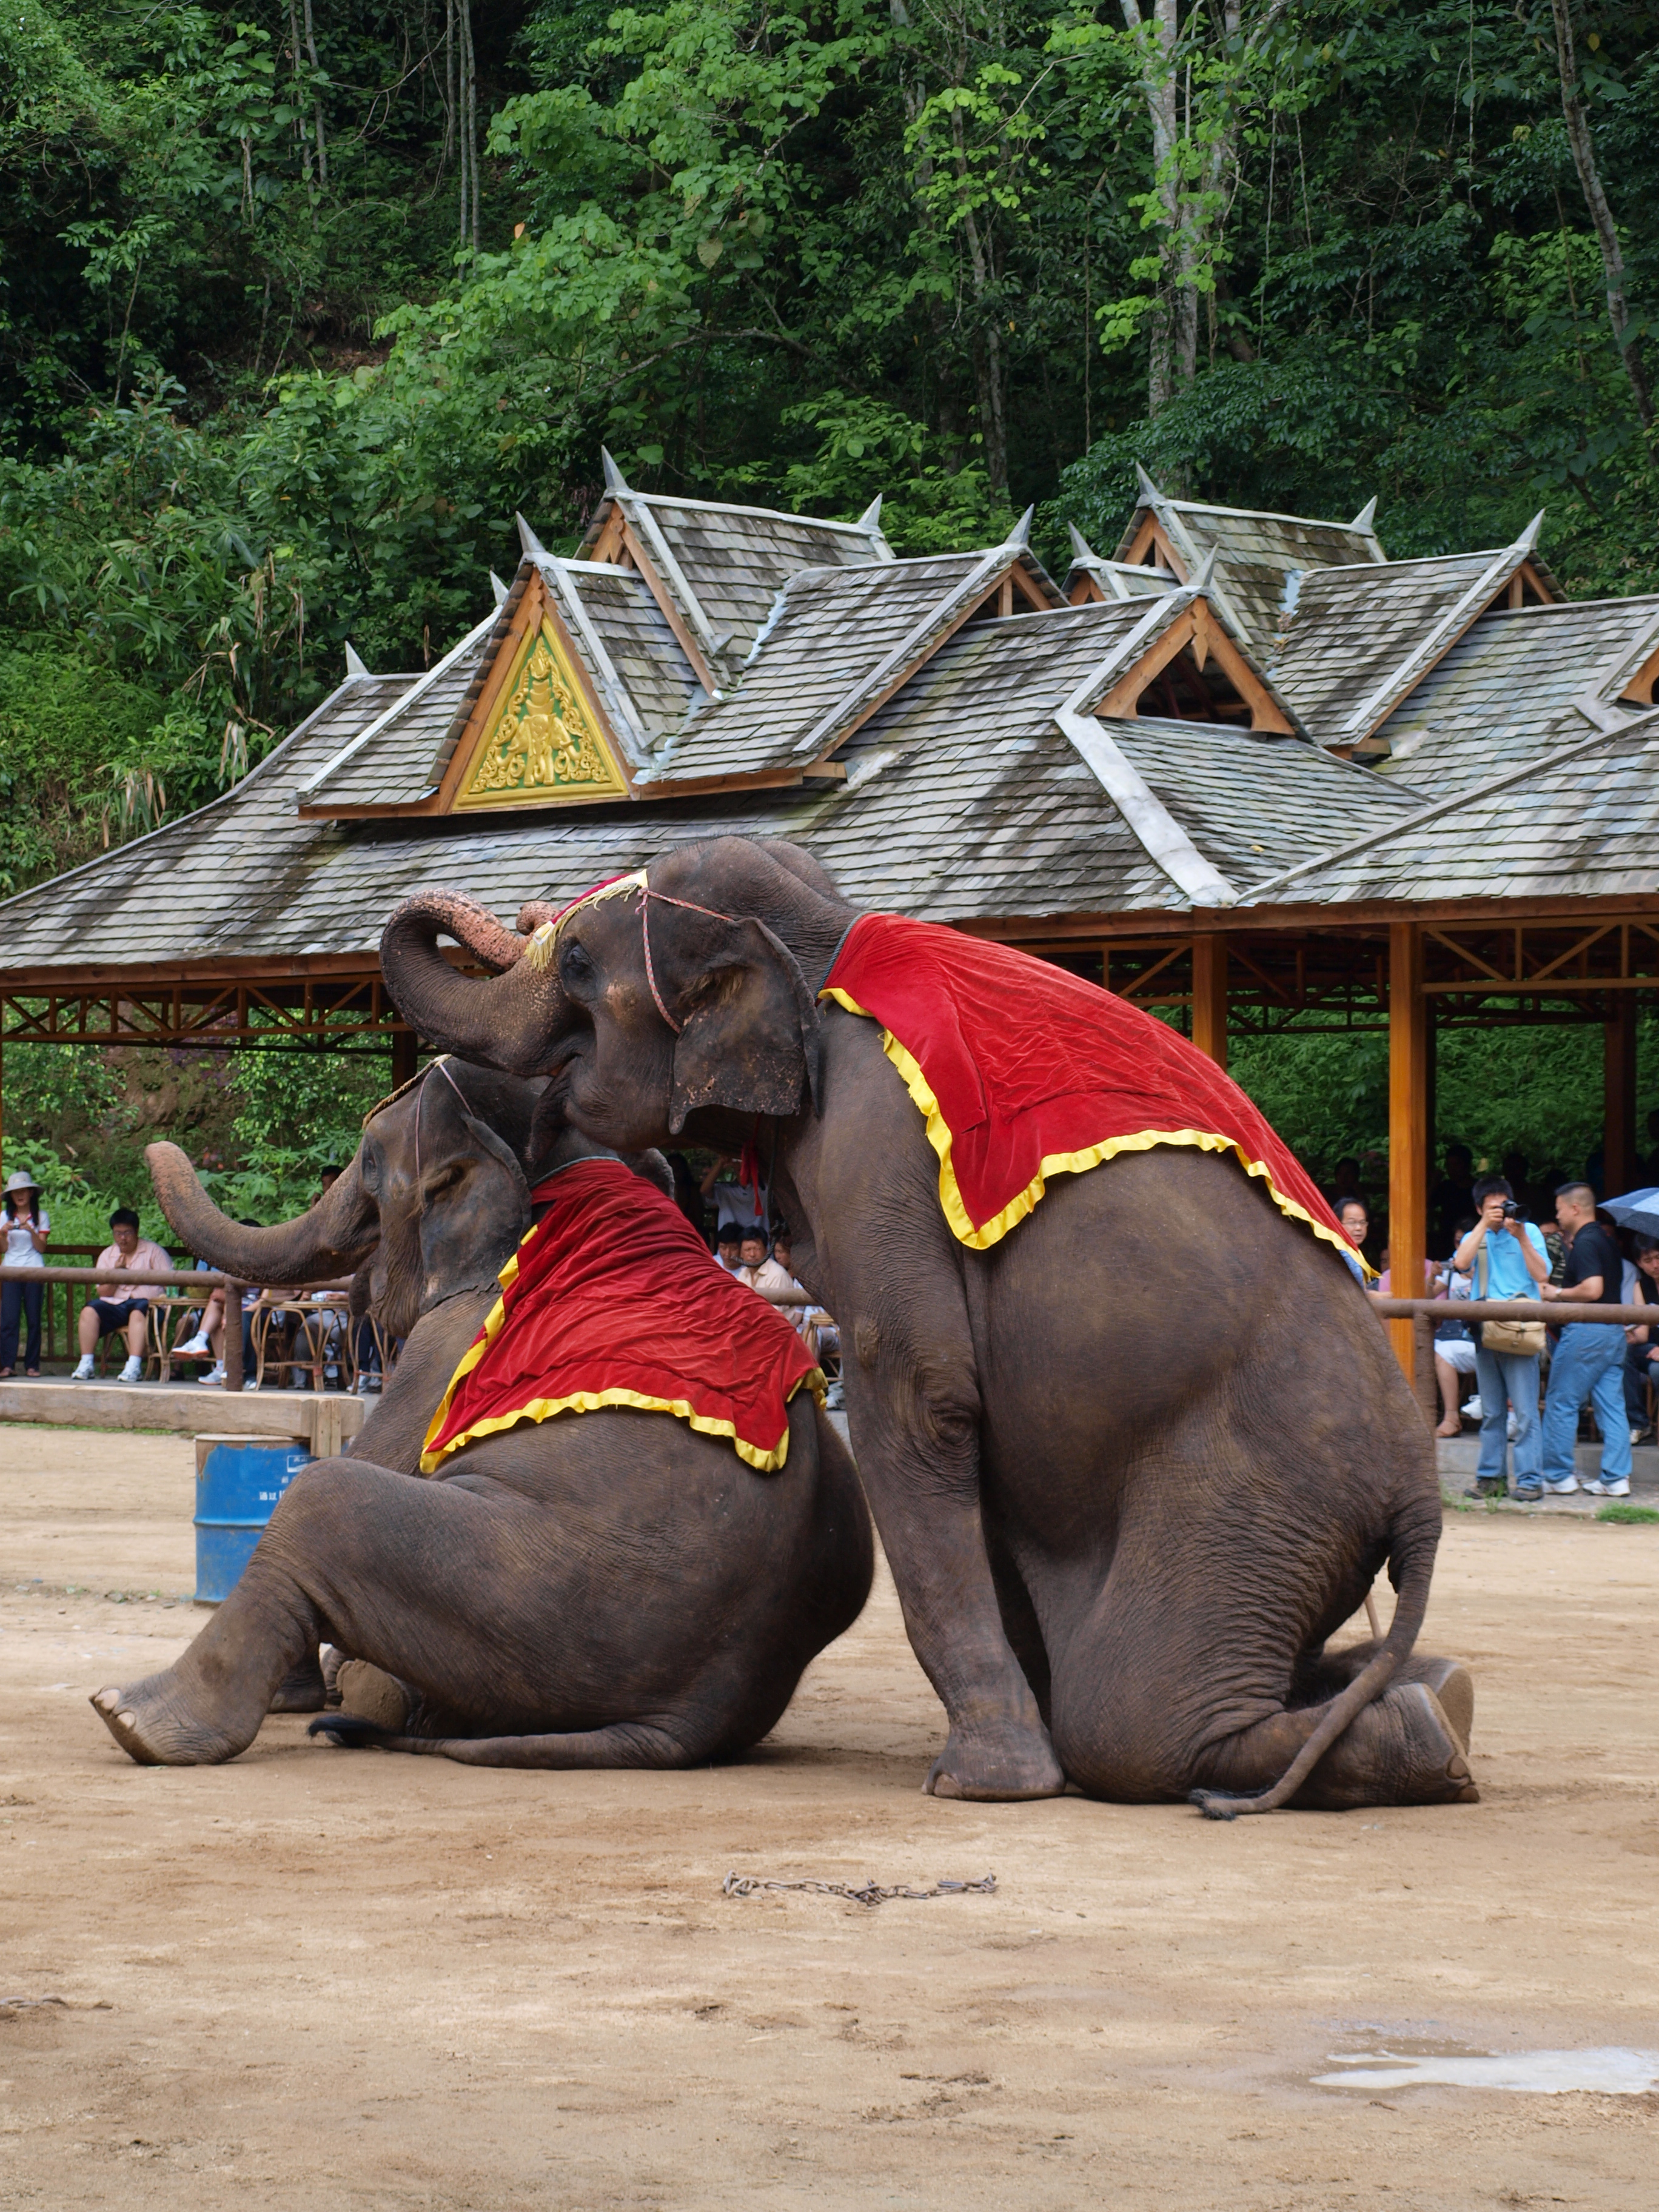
<point x="1151" y="533"/>
<point x="1196" y="627"/>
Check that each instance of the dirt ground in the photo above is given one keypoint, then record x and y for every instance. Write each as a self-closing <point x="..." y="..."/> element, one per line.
<point x="318" y="1978"/>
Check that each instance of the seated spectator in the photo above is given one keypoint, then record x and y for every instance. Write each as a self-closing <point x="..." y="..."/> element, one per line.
<point x="118" y="1306"/>
<point x="1589" y="1358"/>
<point x="1454" y="1341"/>
<point x="1506" y="1258"/>
<point x="208" y="1341"/>
<point x="728" y="1246"/>
<point x="1354" y="1221"/>
<point x="755" y="1268"/>
<point x="819" y="1331"/>
<point x="1641" y="1345"/>
<point x="27" y="1226"/>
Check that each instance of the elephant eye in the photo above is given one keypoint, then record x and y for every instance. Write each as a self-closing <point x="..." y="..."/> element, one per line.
<point x="576" y="971"/>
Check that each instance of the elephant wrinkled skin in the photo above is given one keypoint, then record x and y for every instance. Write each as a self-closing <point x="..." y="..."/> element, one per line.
<point x="1131" y="1466"/>
<point x="606" y="1589"/>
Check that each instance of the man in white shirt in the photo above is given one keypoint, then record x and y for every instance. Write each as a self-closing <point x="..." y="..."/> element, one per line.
<point x="121" y="1305"/>
<point x="757" y="1270"/>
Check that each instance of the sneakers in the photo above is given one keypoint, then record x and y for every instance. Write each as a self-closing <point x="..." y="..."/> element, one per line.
<point x="1489" y="1485"/>
<point x="1600" y="1489"/>
<point x="1640" y="1435"/>
<point x="83" y="1369"/>
<point x="197" y="1348"/>
<point x="134" y="1370"/>
<point x="1528" y="1493"/>
<point x="1561" y="1489"/>
<point x="215" y="1374"/>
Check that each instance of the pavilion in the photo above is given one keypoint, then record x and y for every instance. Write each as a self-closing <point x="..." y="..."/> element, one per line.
<point x="1247" y="768"/>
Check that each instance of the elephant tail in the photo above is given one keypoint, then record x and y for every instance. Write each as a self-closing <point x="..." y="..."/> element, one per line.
<point x="626" y="1743"/>
<point x="1411" y="1567"/>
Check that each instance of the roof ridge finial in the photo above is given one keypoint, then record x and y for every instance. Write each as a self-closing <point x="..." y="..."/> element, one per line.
<point x="1020" y="535"/>
<point x="614" y="478"/>
<point x="534" y="550"/>
<point x="1204" y="578"/>
<point x="1366" y="518"/>
<point x="498" y="588"/>
<point x="871" y="518"/>
<point x="1527" y="542"/>
<point x="1081" y="549"/>
<point x="355" y="663"/>
<point x="1148" y="488"/>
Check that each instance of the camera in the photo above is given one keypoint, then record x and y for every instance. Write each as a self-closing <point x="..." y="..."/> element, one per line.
<point x="1511" y="1211"/>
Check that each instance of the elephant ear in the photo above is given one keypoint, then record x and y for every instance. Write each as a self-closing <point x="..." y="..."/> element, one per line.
<point x="749" y="1034"/>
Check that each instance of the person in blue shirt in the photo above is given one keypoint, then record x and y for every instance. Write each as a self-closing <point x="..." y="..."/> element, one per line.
<point x="1507" y="1258"/>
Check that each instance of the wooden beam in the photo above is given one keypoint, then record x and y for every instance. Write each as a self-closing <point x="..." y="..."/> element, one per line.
<point x="1210" y="996"/>
<point x="1408" y="1129"/>
<point x="1619" y="1169"/>
<point x="404" y="1046"/>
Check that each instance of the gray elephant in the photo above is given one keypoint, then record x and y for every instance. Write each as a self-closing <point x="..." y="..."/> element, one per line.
<point x="611" y="1588"/>
<point x="1132" y="1465"/>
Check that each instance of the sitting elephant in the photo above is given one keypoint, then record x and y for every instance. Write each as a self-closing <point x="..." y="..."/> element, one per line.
<point x="1135" y="1458"/>
<point x="611" y="1588"/>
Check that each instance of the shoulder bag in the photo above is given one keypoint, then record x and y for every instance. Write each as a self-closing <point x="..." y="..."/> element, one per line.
<point x="1518" y="1339"/>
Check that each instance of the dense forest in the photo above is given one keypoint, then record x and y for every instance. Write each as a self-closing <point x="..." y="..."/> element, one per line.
<point x="301" y="298"/>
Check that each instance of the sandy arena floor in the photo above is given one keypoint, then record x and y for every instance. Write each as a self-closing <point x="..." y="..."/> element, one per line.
<point x="320" y="1979"/>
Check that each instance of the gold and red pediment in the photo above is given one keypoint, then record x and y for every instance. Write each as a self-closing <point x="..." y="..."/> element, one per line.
<point x="537" y="735"/>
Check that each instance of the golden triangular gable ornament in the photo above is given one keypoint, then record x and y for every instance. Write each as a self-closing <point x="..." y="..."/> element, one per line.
<point x="542" y="744"/>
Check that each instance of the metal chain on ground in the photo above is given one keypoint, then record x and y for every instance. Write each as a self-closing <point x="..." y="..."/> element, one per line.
<point x="867" y="1892"/>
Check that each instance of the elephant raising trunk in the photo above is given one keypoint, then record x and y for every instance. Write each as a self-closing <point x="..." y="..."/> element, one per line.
<point x="333" y="1238"/>
<point x="501" y="1023"/>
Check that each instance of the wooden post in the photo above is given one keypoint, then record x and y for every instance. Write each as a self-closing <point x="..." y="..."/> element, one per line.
<point x="1210" y="997"/>
<point x="1408" y="1129"/>
<point x="232" y="1341"/>
<point x="404" y="1046"/>
<point x="1619" y="1096"/>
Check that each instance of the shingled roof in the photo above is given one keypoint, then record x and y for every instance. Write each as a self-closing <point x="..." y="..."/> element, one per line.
<point x="1582" y="821"/>
<point x="1504" y="693"/>
<point x="722" y="565"/>
<point x="968" y="761"/>
<point x="1353" y="643"/>
<point x="1256" y="552"/>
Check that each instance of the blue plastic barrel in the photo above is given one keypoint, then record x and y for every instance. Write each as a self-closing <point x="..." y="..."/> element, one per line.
<point x="239" y="1481"/>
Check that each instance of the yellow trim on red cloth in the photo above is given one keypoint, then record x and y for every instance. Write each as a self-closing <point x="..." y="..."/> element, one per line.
<point x="985" y="1235"/>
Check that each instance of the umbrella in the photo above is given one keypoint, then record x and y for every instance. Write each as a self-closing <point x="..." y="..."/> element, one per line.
<point x="1637" y="1209"/>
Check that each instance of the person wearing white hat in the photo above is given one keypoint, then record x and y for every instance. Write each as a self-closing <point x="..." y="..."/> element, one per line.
<point x="27" y="1227"/>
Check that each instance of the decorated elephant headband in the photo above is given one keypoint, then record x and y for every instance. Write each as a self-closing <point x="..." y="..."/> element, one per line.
<point x="544" y="939"/>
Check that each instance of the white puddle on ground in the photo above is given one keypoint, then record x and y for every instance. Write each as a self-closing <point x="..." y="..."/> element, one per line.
<point x="1610" y="2072"/>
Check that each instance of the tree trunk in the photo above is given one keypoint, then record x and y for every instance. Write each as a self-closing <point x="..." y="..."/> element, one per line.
<point x="1159" y="89"/>
<point x="988" y="341"/>
<point x="316" y="103"/>
<point x="1600" y="214"/>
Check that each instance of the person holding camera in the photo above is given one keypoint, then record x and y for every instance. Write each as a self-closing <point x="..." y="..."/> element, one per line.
<point x="1506" y="1258"/>
<point x="1589" y="1358"/>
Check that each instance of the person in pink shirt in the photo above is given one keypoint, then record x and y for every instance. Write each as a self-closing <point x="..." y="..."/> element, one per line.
<point x="120" y="1305"/>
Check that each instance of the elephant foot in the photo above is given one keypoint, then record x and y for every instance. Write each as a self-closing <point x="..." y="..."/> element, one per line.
<point x="1402" y="1750"/>
<point x="1449" y="1679"/>
<point x="303" y="1689"/>
<point x="992" y="1766"/>
<point x="156" y="1724"/>
<point x="369" y="1693"/>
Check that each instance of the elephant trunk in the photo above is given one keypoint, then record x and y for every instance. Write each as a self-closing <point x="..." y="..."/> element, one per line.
<point x="330" y="1240"/>
<point x="509" y="1022"/>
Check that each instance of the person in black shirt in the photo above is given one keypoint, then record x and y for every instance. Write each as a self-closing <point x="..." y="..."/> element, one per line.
<point x="1589" y="1360"/>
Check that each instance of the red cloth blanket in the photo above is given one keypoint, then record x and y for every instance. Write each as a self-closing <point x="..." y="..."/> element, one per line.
<point x="612" y="1299"/>
<point x="1024" y="1072"/>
